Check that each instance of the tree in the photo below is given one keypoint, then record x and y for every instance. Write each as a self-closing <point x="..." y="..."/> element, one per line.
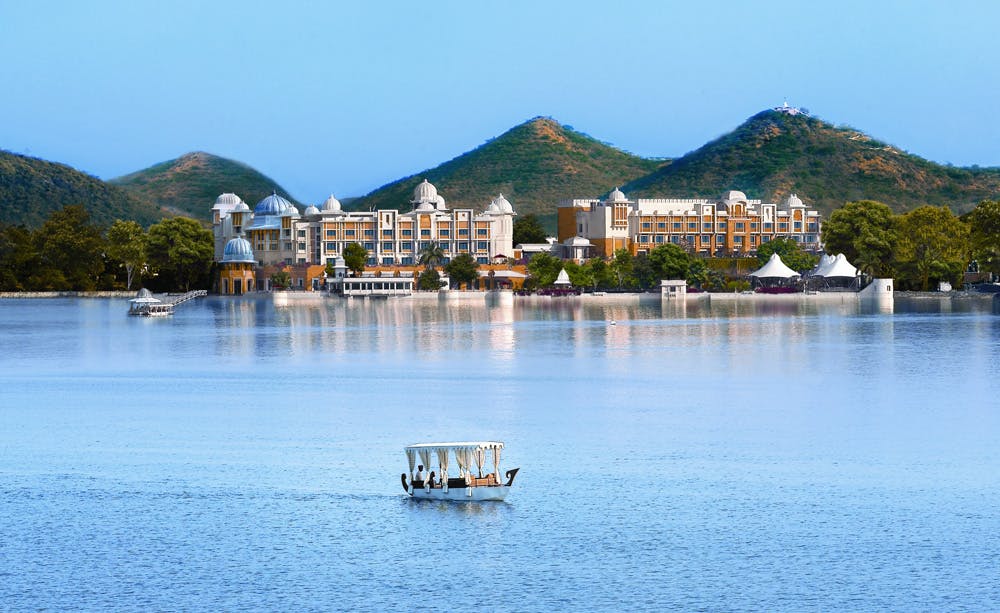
<point x="865" y="232"/>
<point x="181" y="251"/>
<point x="528" y="229"/>
<point x="355" y="257"/>
<point x="932" y="246"/>
<point x="622" y="265"/>
<point x="698" y="274"/>
<point x="600" y="273"/>
<point x="429" y="280"/>
<point x="543" y="269"/>
<point x="579" y="276"/>
<point x="984" y="238"/>
<point x="431" y="255"/>
<point x="669" y="261"/>
<point x="18" y="257"/>
<point x="791" y="254"/>
<point x="463" y="268"/>
<point x="281" y="280"/>
<point x="127" y="244"/>
<point x="71" y="251"/>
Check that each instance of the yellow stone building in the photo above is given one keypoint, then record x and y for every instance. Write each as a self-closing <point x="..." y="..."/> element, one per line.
<point x="733" y="224"/>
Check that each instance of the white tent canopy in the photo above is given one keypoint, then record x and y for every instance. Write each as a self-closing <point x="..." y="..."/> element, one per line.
<point x="825" y="261"/>
<point x="840" y="267"/>
<point x="465" y="454"/>
<point x="563" y="278"/>
<point x="774" y="269"/>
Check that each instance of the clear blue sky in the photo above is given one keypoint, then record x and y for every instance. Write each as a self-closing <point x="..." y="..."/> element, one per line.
<point x="345" y="96"/>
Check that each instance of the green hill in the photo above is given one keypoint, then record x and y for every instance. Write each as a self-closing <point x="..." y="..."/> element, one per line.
<point x="190" y="184"/>
<point x="534" y="165"/>
<point x="773" y="154"/>
<point x="31" y="189"/>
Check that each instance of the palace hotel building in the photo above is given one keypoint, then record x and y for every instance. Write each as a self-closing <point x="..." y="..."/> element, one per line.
<point x="731" y="224"/>
<point x="251" y="245"/>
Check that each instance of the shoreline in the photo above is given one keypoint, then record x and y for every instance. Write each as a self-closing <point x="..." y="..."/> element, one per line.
<point x="457" y="295"/>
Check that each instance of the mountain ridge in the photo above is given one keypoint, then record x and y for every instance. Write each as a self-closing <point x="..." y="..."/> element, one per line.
<point x="190" y="183"/>
<point x="773" y="154"/>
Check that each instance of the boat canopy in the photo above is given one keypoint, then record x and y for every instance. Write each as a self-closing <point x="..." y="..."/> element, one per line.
<point x="466" y="454"/>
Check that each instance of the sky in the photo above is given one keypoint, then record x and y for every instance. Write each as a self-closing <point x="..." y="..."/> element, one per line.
<point x="342" y="97"/>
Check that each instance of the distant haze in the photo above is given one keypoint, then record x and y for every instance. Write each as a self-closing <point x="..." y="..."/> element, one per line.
<point x="345" y="97"/>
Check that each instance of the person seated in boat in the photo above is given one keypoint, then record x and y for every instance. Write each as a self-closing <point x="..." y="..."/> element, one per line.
<point x="430" y="479"/>
<point x="420" y="473"/>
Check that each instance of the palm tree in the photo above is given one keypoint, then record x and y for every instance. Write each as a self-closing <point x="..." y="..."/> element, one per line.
<point x="431" y="255"/>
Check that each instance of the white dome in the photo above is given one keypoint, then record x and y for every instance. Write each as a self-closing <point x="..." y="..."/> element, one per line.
<point x="241" y="208"/>
<point x="617" y="195"/>
<point x="440" y="204"/>
<point x="503" y="204"/>
<point x="332" y="204"/>
<point x="291" y="211"/>
<point x="493" y="209"/>
<point x="227" y="200"/>
<point x="793" y="201"/>
<point x="734" y="196"/>
<point x="312" y="210"/>
<point x="425" y="192"/>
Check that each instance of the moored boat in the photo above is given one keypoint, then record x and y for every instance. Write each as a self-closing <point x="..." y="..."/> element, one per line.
<point x="437" y="485"/>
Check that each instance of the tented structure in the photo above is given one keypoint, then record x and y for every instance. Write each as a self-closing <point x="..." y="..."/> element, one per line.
<point x="835" y="274"/>
<point x="775" y="277"/>
<point x="563" y="279"/>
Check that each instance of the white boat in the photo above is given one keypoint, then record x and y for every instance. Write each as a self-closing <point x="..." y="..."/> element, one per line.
<point x="145" y="305"/>
<point x="467" y="486"/>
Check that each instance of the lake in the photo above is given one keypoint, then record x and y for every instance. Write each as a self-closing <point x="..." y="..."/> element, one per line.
<point x="737" y="455"/>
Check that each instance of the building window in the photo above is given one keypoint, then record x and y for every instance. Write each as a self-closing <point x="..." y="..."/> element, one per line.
<point x="692" y="225"/>
<point x="369" y="247"/>
<point x="740" y="226"/>
<point x="369" y="233"/>
<point x="387" y="261"/>
<point x="463" y="231"/>
<point x="424" y="245"/>
<point x="302" y="246"/>
<point x="330" y="247"/>
<point x="676" y="226"/>
<point x="348" y="232"/>
<point x="811" y="227"/>
<point x="405" y="232"/>
<point x="720" y="239"/>
<point x="301" y="234"/>
<point x="737" y="240"/>
<point x="705" y="238"/>
<point x="798" y="226"/>
<point x="659" y="238"/>
<point x="425" y="233"/>
<point x="331" y="233"/>
<point x="646" y="226"/>
<point x="463" y="246"/>
<point x="406" y="246"/>
<point x="482" y="260"/>
<point x="707" y="227"/>
<point x="482" y="232"/>
<point x="482" y="245"/>
<point x="445" y="246"/>
<point x="386" y="246"/>
<point x="407" y="261"/>
<point x="643" y="238"/>
<point x="674" y="239"/>
<point x="444" y="232"/>
<point x="386" y="233"/>
<point x="768" y="227"/>
<point x="722" y="226"/>
<point x="288" y="247"/>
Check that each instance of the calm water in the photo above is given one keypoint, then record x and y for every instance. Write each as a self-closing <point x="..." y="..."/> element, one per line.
<point x="245" y="456"/>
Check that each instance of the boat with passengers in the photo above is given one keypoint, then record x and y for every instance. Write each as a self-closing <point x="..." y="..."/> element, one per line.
<point x="469" y="485"/>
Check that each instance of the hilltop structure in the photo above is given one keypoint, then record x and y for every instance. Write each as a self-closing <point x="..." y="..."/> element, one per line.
<point x="731" y="224"/>
<point x="279" y="236"/>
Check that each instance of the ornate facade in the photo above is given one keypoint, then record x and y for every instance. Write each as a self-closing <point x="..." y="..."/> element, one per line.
<point x="731" y="224"/>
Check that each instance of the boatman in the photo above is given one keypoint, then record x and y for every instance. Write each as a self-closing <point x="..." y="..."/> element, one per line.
<point x="420" y="473"/>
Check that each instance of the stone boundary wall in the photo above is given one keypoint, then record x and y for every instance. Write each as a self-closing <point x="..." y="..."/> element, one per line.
<point x="108" y="294"/>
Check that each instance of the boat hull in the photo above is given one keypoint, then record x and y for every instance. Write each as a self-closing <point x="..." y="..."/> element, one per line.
<point x="463" y="494"/>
